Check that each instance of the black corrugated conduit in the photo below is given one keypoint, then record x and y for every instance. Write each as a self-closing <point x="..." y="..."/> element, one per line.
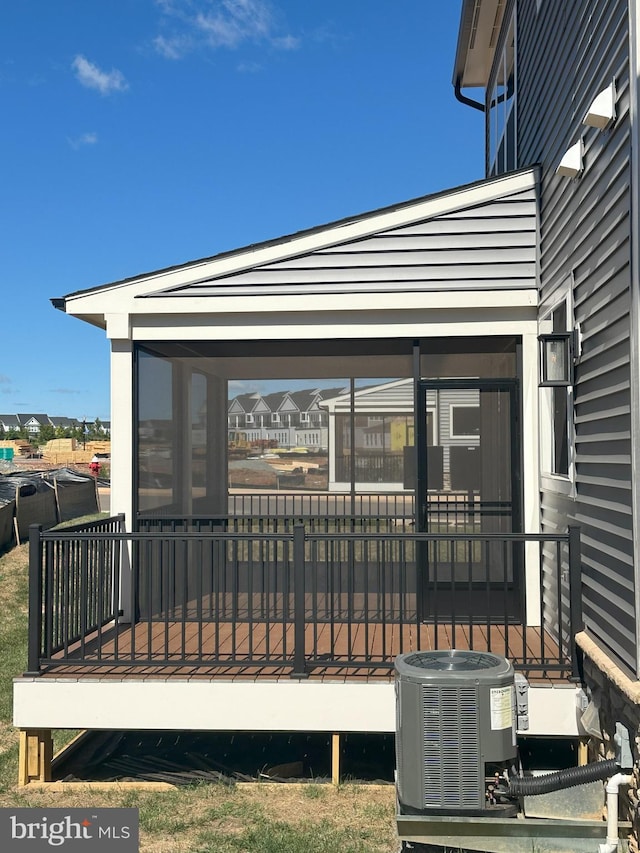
<point x="530" y="786"/>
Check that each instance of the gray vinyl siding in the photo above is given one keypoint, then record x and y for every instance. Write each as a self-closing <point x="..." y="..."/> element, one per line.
<point x="566" y="56"/>
<point x="490" y="246"/>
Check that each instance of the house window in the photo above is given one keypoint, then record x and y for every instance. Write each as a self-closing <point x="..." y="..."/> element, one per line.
<point x="304" y="418"/>
<point x="501" y="108"/>
<point x="465" y="421"/>
<point x="249" y="419"/>
<point x="557" y="403"/>
<point x="275" y="418"/>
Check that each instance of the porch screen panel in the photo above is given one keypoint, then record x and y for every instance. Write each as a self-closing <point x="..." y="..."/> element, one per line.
<point x="229" y="428"/>
<point x="374" y="426"/>
<point x="156" y="431"/>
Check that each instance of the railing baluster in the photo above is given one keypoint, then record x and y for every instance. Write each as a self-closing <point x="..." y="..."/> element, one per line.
<point x="299" y="606"/>
<point x="575" y="600"/>
<point x="36" y="602"/>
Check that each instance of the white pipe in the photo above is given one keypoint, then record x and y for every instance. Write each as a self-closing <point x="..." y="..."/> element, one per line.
<point x="613" y="786"/>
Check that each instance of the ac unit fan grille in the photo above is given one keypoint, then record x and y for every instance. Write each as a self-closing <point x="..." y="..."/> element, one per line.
<point x="451" y="747"/>
<point x="452" y="661"/>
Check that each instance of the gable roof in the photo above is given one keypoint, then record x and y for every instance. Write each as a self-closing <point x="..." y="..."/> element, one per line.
<point x="9" y="421"/>
<point x="26" y="418"/>
<point x="479" y="236"/>
<point x="274" y="400"/>
<point x="63" y="421"/>
<point x="395" y="396"/>
<point x="304" y="399"/>
<point x="244" y="402"/>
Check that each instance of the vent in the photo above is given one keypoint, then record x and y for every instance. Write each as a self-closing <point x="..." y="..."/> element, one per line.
<point x="450" y="744"/>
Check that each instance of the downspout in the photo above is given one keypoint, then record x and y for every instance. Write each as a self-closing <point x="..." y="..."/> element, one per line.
<point x="464" y="100"/>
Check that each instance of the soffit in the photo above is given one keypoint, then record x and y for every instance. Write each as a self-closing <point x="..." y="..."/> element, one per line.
<point x="480" y="24"/>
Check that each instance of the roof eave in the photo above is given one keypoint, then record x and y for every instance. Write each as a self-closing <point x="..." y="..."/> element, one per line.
<point x="480" y="23"/>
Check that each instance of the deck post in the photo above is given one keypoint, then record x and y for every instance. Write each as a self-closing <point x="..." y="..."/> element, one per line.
<point x="35" y="755"/>
<point x="335" y="758"/>
<point x="576" y="623"/>
<point x="299" y="657"/>
<point x="35" y="600"/>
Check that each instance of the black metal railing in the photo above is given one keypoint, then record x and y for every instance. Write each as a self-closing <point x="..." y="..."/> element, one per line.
<point x="186" y="595"/>
<point x="392" y="505"/>
<point x="73" y="585"/>
<point x="373" y="468"/>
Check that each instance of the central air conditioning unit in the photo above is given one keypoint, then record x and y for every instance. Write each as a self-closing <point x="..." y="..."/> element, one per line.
<point x="455" y="730"/>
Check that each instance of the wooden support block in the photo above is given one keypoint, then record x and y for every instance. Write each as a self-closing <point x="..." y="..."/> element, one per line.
<point x="46" y="755"/>
<point x="36" y="753"/>
<point x="23" y="776"/>
<point x="335" y="758"/>
<point x="583" y="752"/>
<point x="33" y="756"/>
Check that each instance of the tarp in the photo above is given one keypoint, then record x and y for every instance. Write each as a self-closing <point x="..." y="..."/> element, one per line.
<point x="7" y="511"/>
<point x="48" y="497"/>
<point x="76" y="495"/>
<point x="35" y="503"/>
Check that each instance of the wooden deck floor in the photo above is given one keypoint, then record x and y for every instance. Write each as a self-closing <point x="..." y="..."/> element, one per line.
<point x="243" y="650"/>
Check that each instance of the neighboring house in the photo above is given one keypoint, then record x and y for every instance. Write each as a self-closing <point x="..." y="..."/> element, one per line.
<point x="33" y="423"/>
<point x="64" y="423"/>
<point x="9" y="422"/>
<point x="284" y="419"/>
<point x="442" y="295"/>
<point x="380" y="446"/>
<point x="241" y="411"/>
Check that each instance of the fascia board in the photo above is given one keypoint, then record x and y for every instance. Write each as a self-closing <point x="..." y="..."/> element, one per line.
<point x="236" y="312"/>
<point x="197" y="306"/>
<point x="115" y="298"/>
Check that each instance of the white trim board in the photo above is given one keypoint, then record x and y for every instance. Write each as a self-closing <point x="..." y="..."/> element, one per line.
<point x="44" y="703"/>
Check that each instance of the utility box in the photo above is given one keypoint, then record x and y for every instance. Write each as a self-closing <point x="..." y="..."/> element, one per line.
<point x="455" y="729"/>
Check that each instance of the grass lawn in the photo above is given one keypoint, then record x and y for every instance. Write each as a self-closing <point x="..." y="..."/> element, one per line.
<point x="204" y="818"/>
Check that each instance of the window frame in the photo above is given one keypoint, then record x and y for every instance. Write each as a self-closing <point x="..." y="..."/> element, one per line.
<point x="502" y="112"/>
<point x="462" y="436"/>
<point x="551" y="479"/>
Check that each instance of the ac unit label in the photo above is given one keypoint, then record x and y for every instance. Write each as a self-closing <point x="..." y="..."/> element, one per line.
<point x="501" y="708"/>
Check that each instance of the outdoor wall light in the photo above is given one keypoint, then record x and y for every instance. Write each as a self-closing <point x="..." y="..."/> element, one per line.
<point x="602" y="112"/>
<point x="571" y="164"/>
<point x="558" y="353"/>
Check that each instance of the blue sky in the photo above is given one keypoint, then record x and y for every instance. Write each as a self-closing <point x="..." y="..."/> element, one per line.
<point x="138" y="134"/>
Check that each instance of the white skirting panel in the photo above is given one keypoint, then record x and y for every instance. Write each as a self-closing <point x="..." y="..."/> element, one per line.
<point x="243" y="706"/>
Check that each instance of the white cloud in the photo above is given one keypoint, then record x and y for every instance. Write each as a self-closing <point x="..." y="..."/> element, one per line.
<point x="286" y="42"/>
<point x="221" y="24"/>
<point x="93" y="78"/>
<point x="236" y="21"/>
<point x="249" y="67"/>
<point x="84" y="139"/>
<point x="172" y="48"/>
